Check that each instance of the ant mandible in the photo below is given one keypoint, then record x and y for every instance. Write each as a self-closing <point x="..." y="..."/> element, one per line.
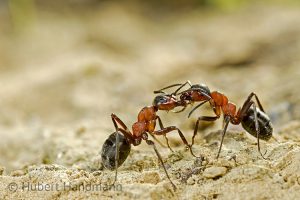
<point x="254" y="120"/>
<point x="117" y="147"/>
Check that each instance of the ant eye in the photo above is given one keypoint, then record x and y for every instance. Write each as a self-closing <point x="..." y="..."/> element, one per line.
<point x="160" y="100"/>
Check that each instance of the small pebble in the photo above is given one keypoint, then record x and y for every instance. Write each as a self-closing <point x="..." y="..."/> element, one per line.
<point x="77" y="183"/>
<point x="1" y="170"/>
<point x="175" y="156"/>
<point x="277" y="178"/>
<point x="190" y="181"/>
<point x="81" y="130"/>
<point x="18" y="173"/>
<point x="69" y="172"/>
<point x="213" y="172"/>
<point x="204" y="163"/>
<point x="151" y="177"/>
<point x="97" y="173"/>
<point x="198" y="162"/>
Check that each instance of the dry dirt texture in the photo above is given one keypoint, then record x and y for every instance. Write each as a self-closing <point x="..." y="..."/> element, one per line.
<point x="61" y="80"/>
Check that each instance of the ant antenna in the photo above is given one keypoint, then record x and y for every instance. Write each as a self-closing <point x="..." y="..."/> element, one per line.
<point x="196" y="107"/>
<point x="170" y="86"/>
<point x="173" y="85"/>
<point x="187" y="82"/>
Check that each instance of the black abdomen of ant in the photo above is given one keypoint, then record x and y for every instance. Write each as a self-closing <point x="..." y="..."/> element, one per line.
<point x="264" y="124"/>
<point x="108" y="152"/>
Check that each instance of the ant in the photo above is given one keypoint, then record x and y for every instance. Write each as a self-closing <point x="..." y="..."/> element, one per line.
<point x="254" y="120"/>
<point x="117" y="147"/>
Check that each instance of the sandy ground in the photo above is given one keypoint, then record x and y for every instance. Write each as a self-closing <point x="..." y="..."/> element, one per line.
<point x="61" y="79"/>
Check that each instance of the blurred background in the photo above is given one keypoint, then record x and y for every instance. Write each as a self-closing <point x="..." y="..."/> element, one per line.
<point x="65" y="66"/>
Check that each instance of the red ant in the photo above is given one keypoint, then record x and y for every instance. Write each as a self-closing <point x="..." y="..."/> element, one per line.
<point x="255" y="121"/>
<point x="114" y="155"/>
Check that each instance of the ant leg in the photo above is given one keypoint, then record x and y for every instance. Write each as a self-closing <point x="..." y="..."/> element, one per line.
<point x="203" y="118"/>
<point x="159" y="142"/>
<point x="116" y="157"/>
<point x="257" y="130"/>
<point x="126" y="133"/>
<point x="165" y="136"/>
<point x="196" y="107"/>
<point x="258" y="102"/>
<point x="149" y="142"/>
<point x="124" y="128"/>
<point x="173" y="128"/>
<point x="116" y="120"/>
<point x="117" y="150"/>
<point x="248" y="103"/>
<point x="275" y="139"/>
<point x="223" y="122"/>
<point x="226" y="121"/>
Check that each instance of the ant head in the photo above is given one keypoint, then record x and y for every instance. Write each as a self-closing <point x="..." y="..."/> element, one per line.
<point x="164" y="102"/>
<point x="161" y="99"/>
<point x="202" y="88"/>
<point x="108" y="153"/>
